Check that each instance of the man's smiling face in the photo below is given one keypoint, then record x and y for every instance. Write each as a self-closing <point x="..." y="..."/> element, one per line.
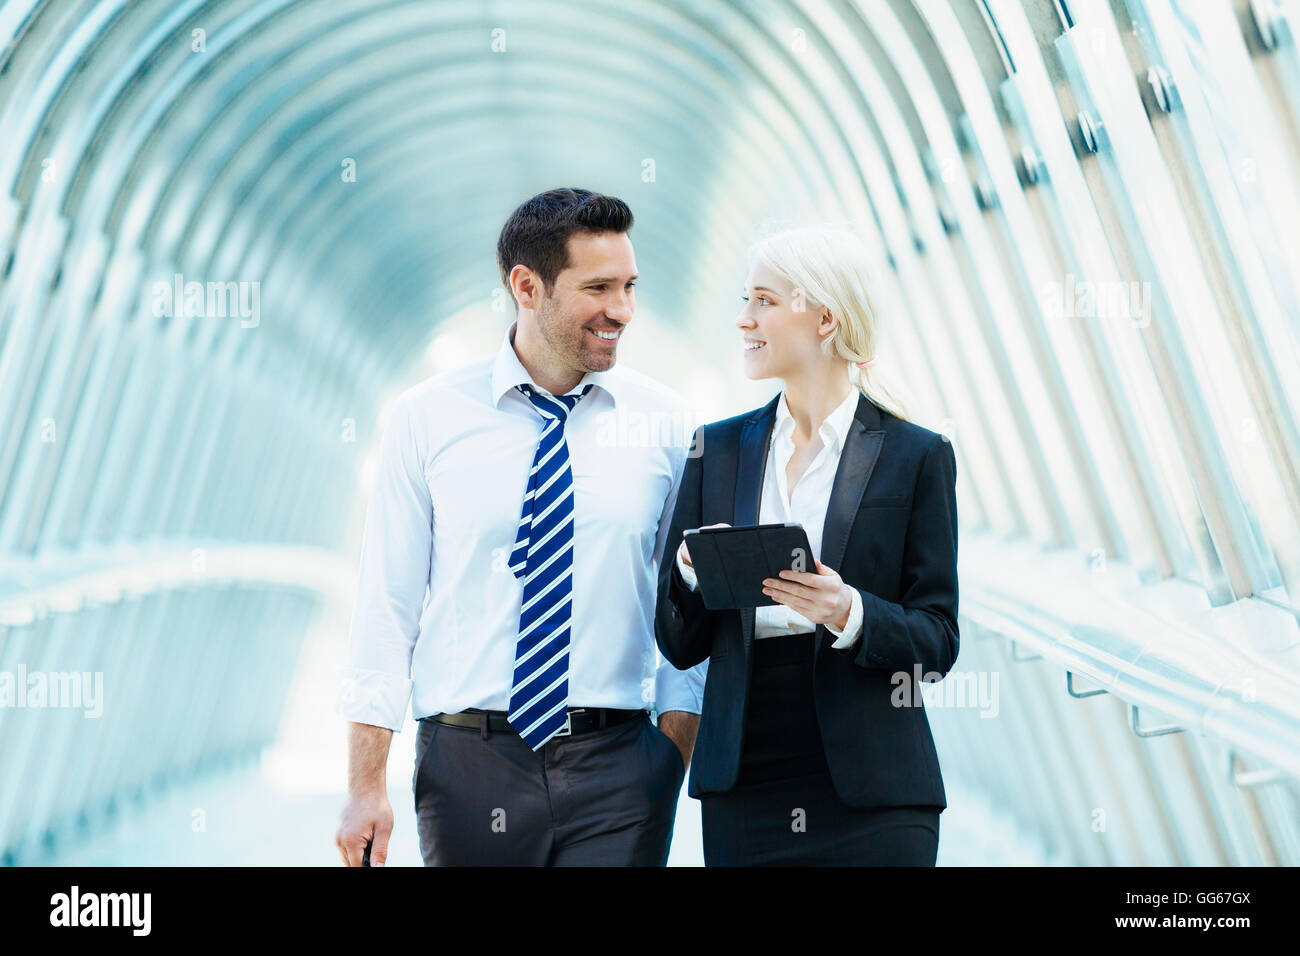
<point x="591" y="302"/>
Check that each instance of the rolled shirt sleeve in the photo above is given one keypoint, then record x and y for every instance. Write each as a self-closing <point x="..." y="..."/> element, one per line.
<point x="392" y="582"/>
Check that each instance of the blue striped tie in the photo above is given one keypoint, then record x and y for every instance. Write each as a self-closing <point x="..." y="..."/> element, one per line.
<point x="543" y="558"/>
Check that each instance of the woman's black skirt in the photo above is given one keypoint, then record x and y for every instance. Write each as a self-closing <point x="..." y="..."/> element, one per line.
<point x="784" y="809"/>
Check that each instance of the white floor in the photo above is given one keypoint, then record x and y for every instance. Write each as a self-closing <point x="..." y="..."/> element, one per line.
<point x="254" y="817"/>
<point x="246" y="819"/>
<point x="285" y="810"/>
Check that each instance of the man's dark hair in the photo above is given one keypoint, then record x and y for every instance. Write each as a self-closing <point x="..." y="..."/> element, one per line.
<point x="537" y="233"/>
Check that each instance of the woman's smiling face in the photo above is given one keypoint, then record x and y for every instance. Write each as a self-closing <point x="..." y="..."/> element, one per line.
<point x="782" y="330"/>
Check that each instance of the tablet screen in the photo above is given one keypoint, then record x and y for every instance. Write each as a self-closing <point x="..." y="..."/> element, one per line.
<point x="731" y="563"/>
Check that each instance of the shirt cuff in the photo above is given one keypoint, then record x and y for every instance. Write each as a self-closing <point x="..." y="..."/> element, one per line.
<point x="687" y="572"/>
<point x="374" y="697"/>
<point x="680" y="689"/>
<point x="853" y="628"/>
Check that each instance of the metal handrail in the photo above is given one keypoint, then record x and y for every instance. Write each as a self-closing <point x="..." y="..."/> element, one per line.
<point x="1133" y="714"/>
<point x="31" y="590"/>
<point x="1251" y="778"/>
<point x="1069" y="688"/>
<point x="1143" y="653"/>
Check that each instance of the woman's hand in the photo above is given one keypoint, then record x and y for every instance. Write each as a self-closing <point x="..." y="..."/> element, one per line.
<point x="822" y="598"/>
<point x="684" y="553"/>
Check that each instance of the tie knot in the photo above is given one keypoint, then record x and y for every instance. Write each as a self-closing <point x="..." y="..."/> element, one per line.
<point x="553" y="406"/>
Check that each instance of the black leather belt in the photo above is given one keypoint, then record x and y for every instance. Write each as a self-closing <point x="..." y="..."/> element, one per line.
<point x="579" y="720"/>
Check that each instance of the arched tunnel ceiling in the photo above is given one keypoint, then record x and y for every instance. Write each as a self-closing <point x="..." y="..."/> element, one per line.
<point x="355" y="160"/>
<point x="223" y="159"/>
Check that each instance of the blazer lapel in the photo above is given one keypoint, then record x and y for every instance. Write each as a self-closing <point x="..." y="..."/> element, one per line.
<point x="751" y="465"/>
<point x="857" y="460"/>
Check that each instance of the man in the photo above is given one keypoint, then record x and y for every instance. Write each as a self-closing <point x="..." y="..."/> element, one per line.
<point x="538" y="535"/>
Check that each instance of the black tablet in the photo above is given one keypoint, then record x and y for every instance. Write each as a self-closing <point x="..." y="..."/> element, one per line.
<point x="731" y="563"/>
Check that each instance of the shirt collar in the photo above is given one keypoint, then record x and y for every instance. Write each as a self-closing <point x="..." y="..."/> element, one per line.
<point x="508" y="371"/>
<point x="834" y="430"/>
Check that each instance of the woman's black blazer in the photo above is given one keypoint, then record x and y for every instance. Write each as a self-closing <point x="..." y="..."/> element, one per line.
<point x="891" y="533"/>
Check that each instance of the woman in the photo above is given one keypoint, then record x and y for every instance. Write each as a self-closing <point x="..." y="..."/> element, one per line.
<point x="813" y="744"/>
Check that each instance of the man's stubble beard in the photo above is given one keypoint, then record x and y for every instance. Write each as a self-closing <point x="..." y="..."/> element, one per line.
<point x="568" y="342"/>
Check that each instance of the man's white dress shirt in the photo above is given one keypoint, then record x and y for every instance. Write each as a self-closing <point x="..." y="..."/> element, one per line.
<point x="453" y="465"/>
<point x="806" y="505"/>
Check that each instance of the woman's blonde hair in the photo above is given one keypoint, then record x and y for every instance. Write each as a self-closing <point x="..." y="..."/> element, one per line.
<point x="832" y="268"/>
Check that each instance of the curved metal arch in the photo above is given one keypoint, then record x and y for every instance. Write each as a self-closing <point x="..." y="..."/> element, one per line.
<point x="24" y="115"/>
<point x="278" y="179"/>
<point x="307" y="261"/>
<point x="880" y="157"/>
<point x="1074" y="390"/>
<point x="290" y="168"/>
<point x="315" y="210"/>
<point x="129" y="152"/>
<point x="372" y="83"/>
<point x="1018" y="377"/>
<point x="916" y="206"/>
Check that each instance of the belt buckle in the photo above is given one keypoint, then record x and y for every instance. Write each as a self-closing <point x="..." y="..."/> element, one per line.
<point x="567" y="729"/>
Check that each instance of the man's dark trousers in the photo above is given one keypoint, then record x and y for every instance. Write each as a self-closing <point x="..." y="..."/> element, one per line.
<point x="602" y="798"/>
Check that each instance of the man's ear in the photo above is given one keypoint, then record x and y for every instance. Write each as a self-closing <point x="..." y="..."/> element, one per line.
<point x="526" y="287"/>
